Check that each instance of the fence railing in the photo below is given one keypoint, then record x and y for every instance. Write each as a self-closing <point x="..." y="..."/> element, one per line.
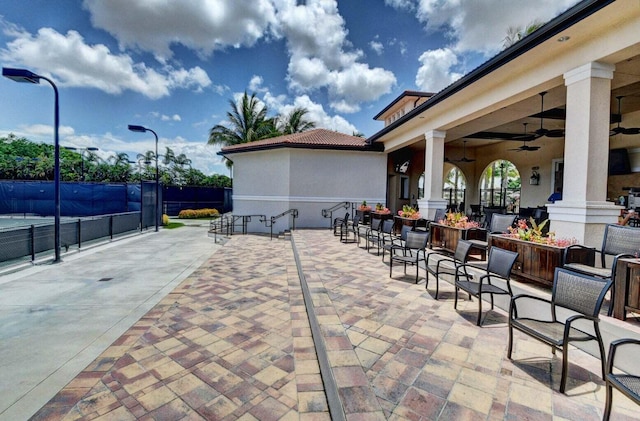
<point x="33" y="241"/>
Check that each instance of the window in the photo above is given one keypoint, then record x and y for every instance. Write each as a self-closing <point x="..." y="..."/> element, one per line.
<point x="404" y="187"/>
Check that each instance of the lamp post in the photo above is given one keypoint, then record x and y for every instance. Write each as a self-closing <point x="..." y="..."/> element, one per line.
<point x="142" y="129"/>
<point x="82" y="151"/>
<point x="26" y="76"/>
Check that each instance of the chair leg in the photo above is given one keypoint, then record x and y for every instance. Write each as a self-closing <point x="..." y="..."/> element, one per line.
<point x="510" y="346"/>
<point x="565" y="367"/>
<point x="479" y="321"/>
<point x="612" y="292"/>
<point x="608" y="401"/>
<point x="603" y="359"/>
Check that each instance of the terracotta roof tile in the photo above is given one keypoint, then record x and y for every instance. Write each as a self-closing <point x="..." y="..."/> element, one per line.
<point x="311" y="139"/>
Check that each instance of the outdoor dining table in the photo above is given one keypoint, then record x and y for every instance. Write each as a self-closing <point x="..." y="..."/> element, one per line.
<point x="627" y="288"/>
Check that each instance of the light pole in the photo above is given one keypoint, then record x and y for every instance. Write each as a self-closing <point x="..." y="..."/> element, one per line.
<point x="82" y="151"/>
<point x="142" y="129"/>
<point x="26" y="76"/>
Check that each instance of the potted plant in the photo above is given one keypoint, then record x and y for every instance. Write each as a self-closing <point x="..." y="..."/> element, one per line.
<point x="458" y="220"/>
<point x="409" y="212"/>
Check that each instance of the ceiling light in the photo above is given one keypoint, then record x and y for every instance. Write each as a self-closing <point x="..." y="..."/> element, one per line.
<point x="564" y="38"/>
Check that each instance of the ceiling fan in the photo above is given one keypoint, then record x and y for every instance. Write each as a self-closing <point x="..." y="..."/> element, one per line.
<point x="542" y="131"/>
<point x="464" y="154"/>
<point x="622" y="130"/>
<point x="526" y="137"/>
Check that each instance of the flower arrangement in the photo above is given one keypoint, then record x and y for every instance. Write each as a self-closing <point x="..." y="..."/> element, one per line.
<point x="364" y="206"/>
<point x="409" y="212"/>
<point x="380" y="208"/>
<point x="532" y="231"/>
<point x="458" y="220"/>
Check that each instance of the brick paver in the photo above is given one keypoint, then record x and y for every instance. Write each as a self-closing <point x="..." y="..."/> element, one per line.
<point x="233" y="342"/>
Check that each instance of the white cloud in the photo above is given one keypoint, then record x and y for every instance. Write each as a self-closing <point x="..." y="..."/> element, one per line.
<point x="174" y="117"/>
<point x="46" y="130"/>
<point x="321" y="56"/>
<point x="316" y="112"/>
<point x="471" y="26"/>
<point x="377" y="47"/>
<point x="201" y="25"/>
<point x="435" y="70"/>
<point x="73" y="63"/>
<point x="255" y="84"/>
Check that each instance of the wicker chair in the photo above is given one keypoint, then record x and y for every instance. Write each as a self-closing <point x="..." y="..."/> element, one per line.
<point x="624" y="381"/>
<point x="439" y="263"/>
<point x="497" y="267"/>
<point x="579" y="297"/>
<point x="337" y="223"/>
<point x="350" y="227"/>
<point x="618" y="241"/>
<point x="410" y="252"/>
<point x="391" y="240"/>
<point x="371" y="233"/>
<point x="499" y="225"/>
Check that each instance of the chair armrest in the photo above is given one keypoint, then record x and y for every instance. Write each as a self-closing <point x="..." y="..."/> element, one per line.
<point x="513" y="304"/>
<point x="578" y="253"/>
<point x="630" y="344"/>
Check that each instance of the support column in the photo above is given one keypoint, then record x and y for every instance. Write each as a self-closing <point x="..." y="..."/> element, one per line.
<point x="583" y="211"/>
<point x="433" y="168"/>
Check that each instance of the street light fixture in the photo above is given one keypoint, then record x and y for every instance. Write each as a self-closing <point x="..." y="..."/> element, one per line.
<point x="26" y="76"/>
<point x="142" y="129"/>
<point x="82" y="151"/>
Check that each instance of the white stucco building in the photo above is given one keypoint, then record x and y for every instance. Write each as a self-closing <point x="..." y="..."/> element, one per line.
<point x="307" y="171"/>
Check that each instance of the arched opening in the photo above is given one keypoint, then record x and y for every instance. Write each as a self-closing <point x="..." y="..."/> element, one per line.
<point x="500" y="185"/>
<point x="454" y="189"/>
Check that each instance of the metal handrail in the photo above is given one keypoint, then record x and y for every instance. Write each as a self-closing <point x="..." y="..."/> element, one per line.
<point x="293" y="212"/>
<point x="328" y="213"/>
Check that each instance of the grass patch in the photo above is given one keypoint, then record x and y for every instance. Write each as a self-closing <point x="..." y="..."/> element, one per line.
<point x="172" y="225"/>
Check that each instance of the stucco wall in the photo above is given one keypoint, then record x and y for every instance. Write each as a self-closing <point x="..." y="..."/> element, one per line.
<point x="273" y="181"/>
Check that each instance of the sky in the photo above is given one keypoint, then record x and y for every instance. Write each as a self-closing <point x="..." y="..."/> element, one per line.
<point x="174" y="66"/>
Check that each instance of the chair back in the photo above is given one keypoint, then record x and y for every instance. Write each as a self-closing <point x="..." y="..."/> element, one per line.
<point x="500" y="223"/>
<point x="416" y="240"/>
<point x="581" y="293"/>
<point x="501" y="262"/>
<point x="462" y="251"/>
<point x="404" y="231"/>
<point x="440" y="214"/>
<point x="620" y="239"/>
<point x="387" y="226"/>
<point x="375" y="224"/>
<point x="356" y="220"/>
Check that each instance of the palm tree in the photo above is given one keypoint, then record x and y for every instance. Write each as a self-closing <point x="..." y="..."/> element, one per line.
<point x="516" y="33"/>
<point x="294" y="122"/>
<point x="248" y="123"/>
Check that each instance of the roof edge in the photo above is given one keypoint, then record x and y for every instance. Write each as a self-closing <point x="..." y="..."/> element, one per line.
<point x="556" y="25"/>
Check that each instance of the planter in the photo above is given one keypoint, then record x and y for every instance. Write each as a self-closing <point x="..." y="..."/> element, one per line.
<point x="627" y="289"/>
<point x="445" y="238"/>
<point x="365" y="216"/>
<point x="381" y="215"/>
<point x="536" y="262"/>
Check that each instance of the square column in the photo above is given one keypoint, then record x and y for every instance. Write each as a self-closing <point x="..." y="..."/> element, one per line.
<point x="433" y="168"/>
<point x="583" y="210"/>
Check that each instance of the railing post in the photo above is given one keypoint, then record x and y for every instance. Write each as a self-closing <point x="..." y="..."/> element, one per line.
<point x="33" y="243"/>
<point x="79" y="233"/>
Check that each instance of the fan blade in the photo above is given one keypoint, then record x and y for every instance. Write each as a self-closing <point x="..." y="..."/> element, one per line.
<point x="631" y="130"/>
<point x="525" y="137"/>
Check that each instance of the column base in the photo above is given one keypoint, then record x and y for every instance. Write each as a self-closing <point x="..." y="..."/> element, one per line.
<point x="584" y="221"/>
<point x="428" y="207"/>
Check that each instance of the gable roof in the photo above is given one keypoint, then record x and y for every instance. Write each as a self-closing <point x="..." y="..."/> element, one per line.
<point x="310" y="139"/>
<point x="406" y="94"/>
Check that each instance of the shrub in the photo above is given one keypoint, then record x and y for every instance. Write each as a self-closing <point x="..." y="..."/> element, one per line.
<point x="198" y="213"/>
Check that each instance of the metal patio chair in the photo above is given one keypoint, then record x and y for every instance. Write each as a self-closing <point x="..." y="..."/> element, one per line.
<point x="438" y="263"/>
<point x="626" y="382"/>
<point x="411" y="252"/>
<point x="579" y="298"/>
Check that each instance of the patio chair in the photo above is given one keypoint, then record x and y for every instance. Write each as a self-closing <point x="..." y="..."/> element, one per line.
<point x="624" y="381"/>
<point x="498" y="267"/>
<point x="390" y="240"/>
<point x="579" y="298"/>
<point x="337" y="223"/>
<point x="438" y="263"/>
<point x="618" y="241"/>
<point x="440" y="214"/>
<point x="410" y="252"/>
<point x="371" y="234"/>
<point x="499" y="225"/>
<point x="350" y="227"/>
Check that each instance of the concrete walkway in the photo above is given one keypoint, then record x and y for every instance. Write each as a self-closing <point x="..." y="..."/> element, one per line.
<point x="56" y="319"/>
<point x="233" y="341"/>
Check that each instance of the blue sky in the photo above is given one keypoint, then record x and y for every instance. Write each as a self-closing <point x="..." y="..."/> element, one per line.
<point x="173" y="66"/>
